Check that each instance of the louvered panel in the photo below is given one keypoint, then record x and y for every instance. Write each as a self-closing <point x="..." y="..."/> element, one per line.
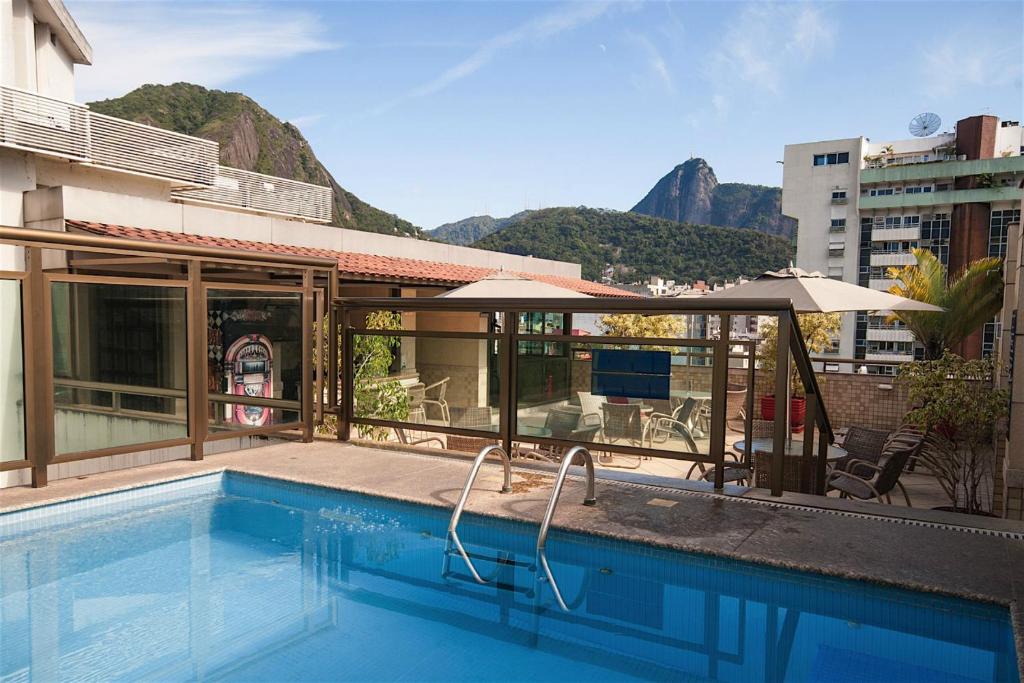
<point x="130" y="146"/>
<point x="261" y="192"/>
<point x="43" y="124"/>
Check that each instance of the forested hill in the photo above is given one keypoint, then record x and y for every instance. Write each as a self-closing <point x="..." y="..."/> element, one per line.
<point x="250" y="138"/>
<point x="639" y="246"/>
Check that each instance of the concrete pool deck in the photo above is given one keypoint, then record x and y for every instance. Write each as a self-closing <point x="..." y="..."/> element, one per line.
<point x="842" y="540"/>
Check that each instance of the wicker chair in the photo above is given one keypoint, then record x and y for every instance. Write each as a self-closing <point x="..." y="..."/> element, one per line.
<point x="622" y="421"/>
<point x="884" y="475"/>
<point x="865" y="445"/>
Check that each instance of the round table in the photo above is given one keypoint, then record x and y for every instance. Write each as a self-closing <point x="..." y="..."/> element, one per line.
<point x="793" y="448"/>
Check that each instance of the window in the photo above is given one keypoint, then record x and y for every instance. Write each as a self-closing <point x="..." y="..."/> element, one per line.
<point x="831" y="158"/>
<point x="254" y="351"/>
<point x="119" y="365"/>
<point x="920" y="189"/>
<point x="881" y="192"/>
<point x="837" y="225"/>
<point x="999" y="221"/>
<point x="839" y="194"/>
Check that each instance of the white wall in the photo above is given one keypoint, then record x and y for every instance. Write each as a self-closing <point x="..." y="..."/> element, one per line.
<point x="79" y="203"/>
<point x="807" y="197"/>
<point x="1009" y="139"/>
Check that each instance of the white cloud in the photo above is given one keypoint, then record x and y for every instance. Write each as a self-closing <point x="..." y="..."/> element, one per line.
<point x="210" y="44"/>
<point x="989" y="62"/>
<point x="565" y="18"/>
<point x="305" y="121"/>
<point x="766" y="44"/>
<point x="654" y="60"/>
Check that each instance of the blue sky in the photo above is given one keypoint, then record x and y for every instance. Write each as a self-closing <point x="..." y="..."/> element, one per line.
<point x="441" y="110"/>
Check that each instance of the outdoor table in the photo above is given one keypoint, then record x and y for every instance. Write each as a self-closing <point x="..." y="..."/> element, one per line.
<point x="762" y="449"/>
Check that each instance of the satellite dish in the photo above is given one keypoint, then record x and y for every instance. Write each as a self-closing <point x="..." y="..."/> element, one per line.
<point x="923" y="125"/>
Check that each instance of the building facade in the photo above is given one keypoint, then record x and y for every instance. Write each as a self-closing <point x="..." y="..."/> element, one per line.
<point x="862" y="206"/>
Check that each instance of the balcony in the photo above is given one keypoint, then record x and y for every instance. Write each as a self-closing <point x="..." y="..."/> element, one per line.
<point x="983" y="195"/>
<point x="259" y="192"/>
<point x="839" y="201"/>
<point x="889" y="356"/>
<point x="881" y="284"/>
<point x="893" y="258"/>
<point x="66" y="130"/>
<point x="896" y="234"/>
<point x="889" y="334"/>
<point x="946" y="168"/>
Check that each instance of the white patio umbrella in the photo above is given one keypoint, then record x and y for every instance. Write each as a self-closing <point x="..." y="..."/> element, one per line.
<point x="815" y="293"/>
<point x="504" y="285"/>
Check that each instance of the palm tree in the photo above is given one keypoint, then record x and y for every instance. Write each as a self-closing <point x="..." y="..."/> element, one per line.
<point x="971" y="298"/>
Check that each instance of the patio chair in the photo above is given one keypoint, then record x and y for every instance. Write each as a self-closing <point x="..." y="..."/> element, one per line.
<point x="623" y="421"/>
<point x="434" y="395"/>
<point x="475" y="417"/>
<point x="660" y="427"/>
<point x="591" y="404"/>
<point x="735" y="407"/>
<point x="404" y="439"/>
<point x="884" y="477"/>
<point x="417" y="393"/>
<point x="863" y="444"/>
<point x="568" y="425"/>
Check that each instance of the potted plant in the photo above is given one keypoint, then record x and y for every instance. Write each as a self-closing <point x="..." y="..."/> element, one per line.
<point x="818" y="330"/>
<point x="957" y="404"/>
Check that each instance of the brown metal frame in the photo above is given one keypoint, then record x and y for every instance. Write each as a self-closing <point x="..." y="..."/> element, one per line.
<point x="26" y="310"/>
<point x="37" y="338"/>
<point x="790" y="342"/>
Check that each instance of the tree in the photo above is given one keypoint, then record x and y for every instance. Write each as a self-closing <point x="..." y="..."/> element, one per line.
<point x="636" y="325"/>
<point x="958" y="405"/>
<point x="970" y="299"/>
<point x="376" y="395"/>
<point x="817" y="329"/>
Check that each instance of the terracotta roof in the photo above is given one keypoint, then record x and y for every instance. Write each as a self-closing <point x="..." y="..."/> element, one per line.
<point x="352" y="264"/>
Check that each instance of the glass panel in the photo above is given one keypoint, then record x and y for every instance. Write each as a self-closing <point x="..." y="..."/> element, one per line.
<point x="255" y="350"/>
<point x="120" y="366"/>
<point x="230" y="417"/>
<point x="437" y="381"/>
<point x="12" y="374"/>
<point x="640" y="396"/>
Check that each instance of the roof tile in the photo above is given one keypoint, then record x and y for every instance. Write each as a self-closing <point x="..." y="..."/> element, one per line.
<point x="349" y="263"/>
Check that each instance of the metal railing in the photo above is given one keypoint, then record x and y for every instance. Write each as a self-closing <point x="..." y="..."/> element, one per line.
<point x="117" y="392"/>
<point x="68" y="130"/>
<point x="264" y="193"/>
<point x="506" y="363"/>
<point x="453" y="535"/>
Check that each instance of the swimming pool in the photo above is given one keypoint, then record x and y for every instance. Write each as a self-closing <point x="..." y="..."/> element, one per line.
<point x="237" y="577"/>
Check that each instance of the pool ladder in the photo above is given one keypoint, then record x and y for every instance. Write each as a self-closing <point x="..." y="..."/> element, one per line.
<point x="542" y="537"/>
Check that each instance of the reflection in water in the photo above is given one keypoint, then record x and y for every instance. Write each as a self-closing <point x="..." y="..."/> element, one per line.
<point x="277" y="582"/>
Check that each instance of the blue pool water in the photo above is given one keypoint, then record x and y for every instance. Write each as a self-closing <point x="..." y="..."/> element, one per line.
<point x="233" y="577"/>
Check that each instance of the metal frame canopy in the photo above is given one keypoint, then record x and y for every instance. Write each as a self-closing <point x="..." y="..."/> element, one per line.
<point x="192" y="268"/>
<point x="348" y="310"/>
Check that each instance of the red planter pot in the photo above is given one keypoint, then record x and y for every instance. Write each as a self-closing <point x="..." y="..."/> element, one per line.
<point x="797" y="411"/>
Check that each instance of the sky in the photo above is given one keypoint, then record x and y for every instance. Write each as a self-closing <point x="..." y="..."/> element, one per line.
<point x="437" y="111"/>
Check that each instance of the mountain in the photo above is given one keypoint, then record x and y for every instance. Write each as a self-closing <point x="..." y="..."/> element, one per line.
<point x="638" y="246"/>
<point x="251" y="138"/>
<point x="474" y="228"/>
<point x="690" y="193"/>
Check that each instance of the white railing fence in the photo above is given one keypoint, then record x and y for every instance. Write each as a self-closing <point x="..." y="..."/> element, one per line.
<point x="45" y="125"/>
<point x="264" y="193"/>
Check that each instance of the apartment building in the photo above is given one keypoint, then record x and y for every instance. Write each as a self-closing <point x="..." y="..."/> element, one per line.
<point x="155" y="304"/>
<point x="862" y="206"/>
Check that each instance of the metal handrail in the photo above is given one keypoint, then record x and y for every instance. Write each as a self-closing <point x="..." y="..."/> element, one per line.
<point x="453" y="536"/>
<point x="545" y="526"/>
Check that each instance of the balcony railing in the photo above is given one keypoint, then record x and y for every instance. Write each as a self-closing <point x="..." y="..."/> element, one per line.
<point x="264" y="193"/>
<point x="46" y="125"/>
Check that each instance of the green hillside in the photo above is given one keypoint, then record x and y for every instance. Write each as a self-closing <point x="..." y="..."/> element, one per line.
<point x="250" y="138"/>
<point x="638" y="246"/>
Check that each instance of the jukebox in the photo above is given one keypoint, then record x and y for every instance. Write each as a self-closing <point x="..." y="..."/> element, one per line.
<point x="247" y="370"/>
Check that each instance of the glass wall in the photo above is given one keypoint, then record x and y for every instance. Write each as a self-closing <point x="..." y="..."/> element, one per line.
<point x="120" y="365"/>
<point x="254" y="350"/>
<point x="428" y="380"/>
<point x="637" y="395"/>
<point x="12" y="373"/>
